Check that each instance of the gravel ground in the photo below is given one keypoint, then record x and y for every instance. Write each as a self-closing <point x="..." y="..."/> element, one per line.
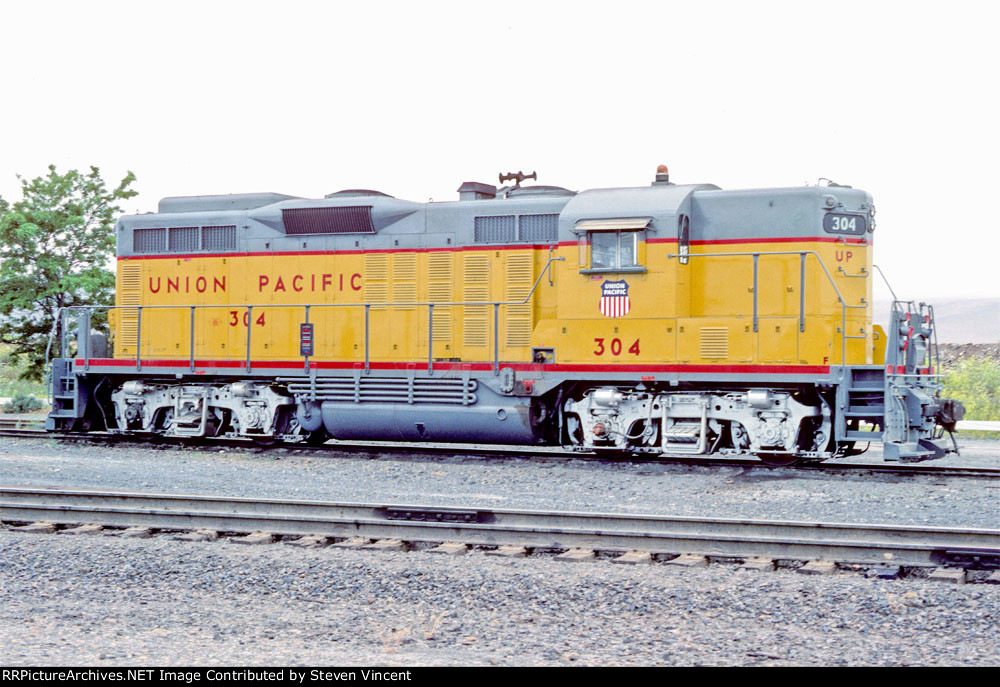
<point x="104" y="600"/>
<point x="113" y="601"/>
<point x="578" y="485"/>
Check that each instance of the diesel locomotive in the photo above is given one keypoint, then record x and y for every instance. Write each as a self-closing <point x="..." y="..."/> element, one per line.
<point x="668" y="318"/>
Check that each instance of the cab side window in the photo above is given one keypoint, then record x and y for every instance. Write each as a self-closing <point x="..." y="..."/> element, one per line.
<point x="611" y="250"/>
<point x="683" y="238"/>
<point x="604" y="250"/>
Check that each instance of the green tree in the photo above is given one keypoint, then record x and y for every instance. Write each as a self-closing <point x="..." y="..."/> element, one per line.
<point x="56" y="247"/>
<point x="976" y="383"/>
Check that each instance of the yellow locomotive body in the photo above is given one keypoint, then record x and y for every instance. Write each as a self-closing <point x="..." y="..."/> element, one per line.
<point x="700" y="313"/>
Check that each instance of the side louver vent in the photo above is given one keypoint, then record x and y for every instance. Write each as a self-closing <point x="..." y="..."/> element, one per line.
<point x="184" y="239"/>
<point x="538" y="227"/>
<point x="476" y="289"/>
<point x="149" y="240"/>
<point x="439" y="290"/>
<point x="495" y="229"/>
<point x="404" y="280"/>
<point x="218" y="238"/>
<point x="341" y="220"/>
<point x="376" y="287"/>
<point x="520" y="276"/>
<point x="129" y="295"/>
<point x="511" y="228"/>
<point x="714" y="343"/>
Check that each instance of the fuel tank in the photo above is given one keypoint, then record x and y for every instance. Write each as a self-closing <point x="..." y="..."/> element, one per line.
<point x="507" y="423"/>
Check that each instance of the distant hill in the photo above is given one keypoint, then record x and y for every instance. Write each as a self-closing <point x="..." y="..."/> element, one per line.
<point x="951" y="355"/>
<point x="959" y="320"/>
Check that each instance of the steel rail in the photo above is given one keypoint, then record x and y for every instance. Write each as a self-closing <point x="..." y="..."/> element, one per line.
<point x="459" y="451"/>
<point x="840" y="542"/>
<point x="21" y="432"/>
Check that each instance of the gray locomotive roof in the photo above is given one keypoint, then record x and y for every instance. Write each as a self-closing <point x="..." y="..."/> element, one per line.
<point x="231" y="201"/>
<point x="770" y="212"/>
<point x="715" y="214"/>
<point x="660" y="202"/>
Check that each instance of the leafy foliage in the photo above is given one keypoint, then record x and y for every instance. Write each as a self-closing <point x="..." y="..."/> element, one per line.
<point x="23" y="403"/>
<point x="11" y="382"/>
<point x="56" y="247"/>
<point x="976" y="383"/>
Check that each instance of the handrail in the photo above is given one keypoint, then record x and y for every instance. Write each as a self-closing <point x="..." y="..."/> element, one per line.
<point x="52" y="332"/>
<point x="802" y="253"/>
<point x="932" y="355"/>
<point x="886" y="280"/>
<point x="366" y="305"/>
<point x="56" y="321"/>
<point x="863" y="274"/>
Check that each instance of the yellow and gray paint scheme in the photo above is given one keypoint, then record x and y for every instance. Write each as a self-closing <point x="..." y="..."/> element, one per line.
<point x="676" y="318"/>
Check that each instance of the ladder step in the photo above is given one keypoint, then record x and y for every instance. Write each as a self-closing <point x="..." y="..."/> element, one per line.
<point x="684" y="433"/>
<point x="863" y="436"/>
<point x="860" y="411"/>
<point x="192" y="419"/>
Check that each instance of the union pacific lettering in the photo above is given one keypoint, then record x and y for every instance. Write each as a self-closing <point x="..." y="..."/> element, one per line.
<point x="308" y="282"/>
<point x="187" y="284"/>
<point x="271" y="283"/>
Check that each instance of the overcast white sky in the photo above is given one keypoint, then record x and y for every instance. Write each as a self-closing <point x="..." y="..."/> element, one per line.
<point x="304" y="98"/>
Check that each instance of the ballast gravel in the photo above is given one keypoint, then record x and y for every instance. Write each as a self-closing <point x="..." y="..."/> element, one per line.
<point x="105" y="600"/>
<point x="110" y="601"/>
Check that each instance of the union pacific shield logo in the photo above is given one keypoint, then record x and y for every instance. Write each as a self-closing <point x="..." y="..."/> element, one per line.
<point x="614" y="298"/>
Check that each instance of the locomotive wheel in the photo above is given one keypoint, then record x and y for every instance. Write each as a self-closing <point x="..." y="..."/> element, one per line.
<point x="849" y="448"/>
<point x="779" y="460"/>
<point x="281" y="426"/>
<point x="317" y="438"/>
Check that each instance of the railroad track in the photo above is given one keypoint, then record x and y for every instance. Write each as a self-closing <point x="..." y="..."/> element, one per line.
<point x="863" y="544"/>
<point x="17" y="424"/>
<point x="399" y="449"/>
<point x="24" y="433"/>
